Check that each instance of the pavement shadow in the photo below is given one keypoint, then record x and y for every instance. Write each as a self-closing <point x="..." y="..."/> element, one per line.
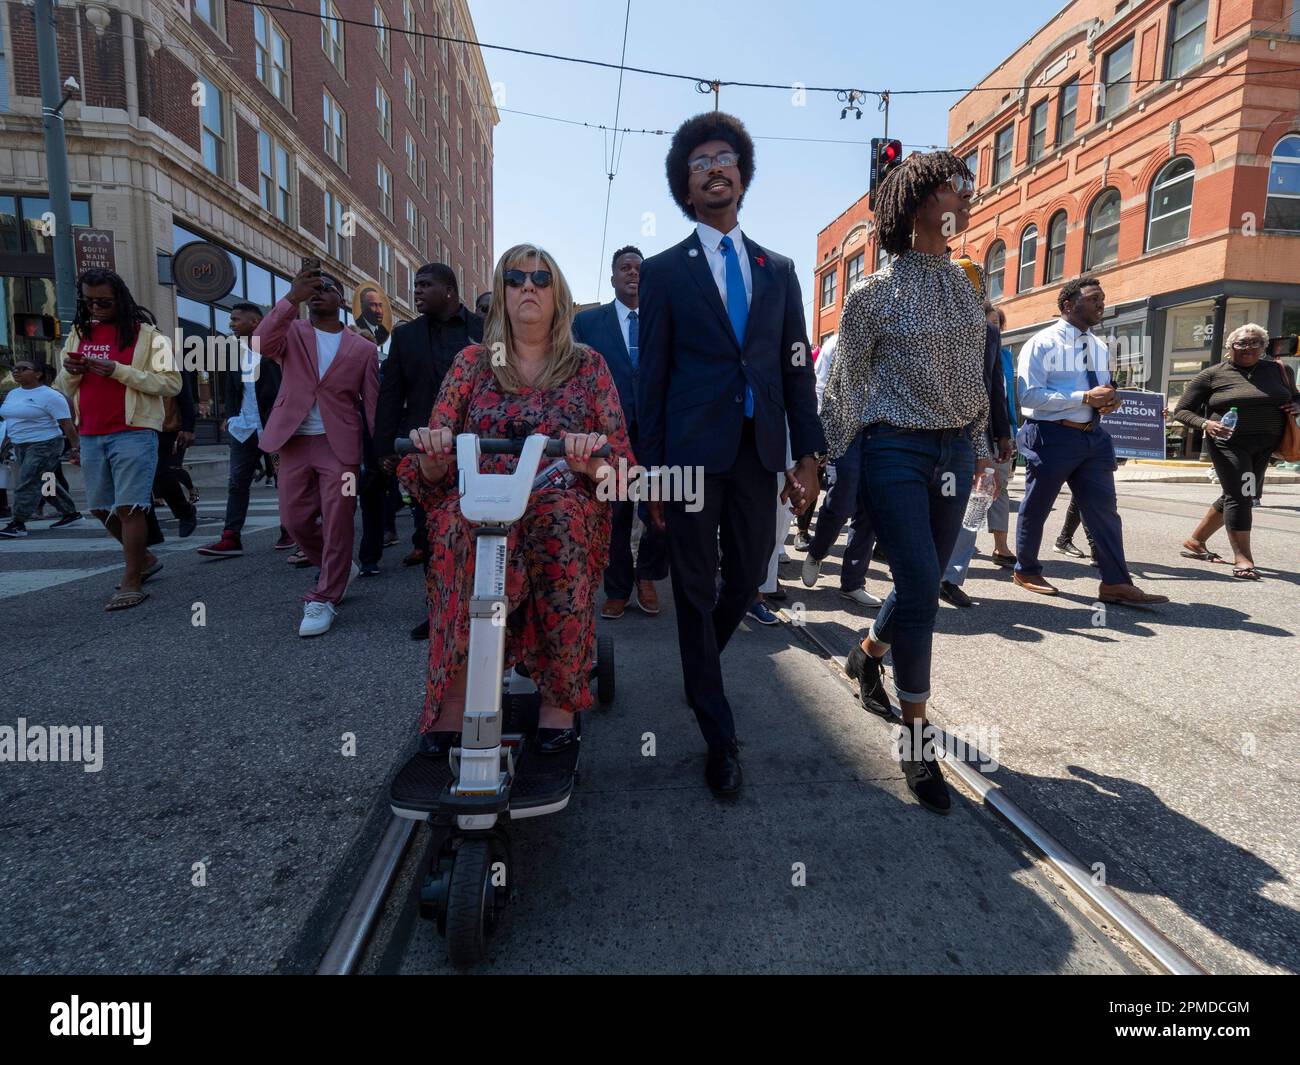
<point x="1217" y="883"/>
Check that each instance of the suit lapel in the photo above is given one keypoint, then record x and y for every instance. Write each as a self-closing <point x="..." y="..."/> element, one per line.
<point x="345" y="345"/>
<point x="761" y="273"/>
<point x="611" y="314"/>
<point x="697" y="266"/>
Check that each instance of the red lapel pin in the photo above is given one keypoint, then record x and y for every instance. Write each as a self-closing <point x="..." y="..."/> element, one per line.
<point x="761" y="260"/>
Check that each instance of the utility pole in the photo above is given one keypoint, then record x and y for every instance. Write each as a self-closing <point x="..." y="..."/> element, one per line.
<point x="56" y="162"/>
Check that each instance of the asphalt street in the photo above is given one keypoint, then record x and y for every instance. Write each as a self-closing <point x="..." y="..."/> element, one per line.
<point x="1158" y="744"/>
<point x="244" y="770"/>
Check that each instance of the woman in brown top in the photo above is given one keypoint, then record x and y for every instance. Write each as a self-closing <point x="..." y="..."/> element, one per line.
<point x="1264" y="396"/>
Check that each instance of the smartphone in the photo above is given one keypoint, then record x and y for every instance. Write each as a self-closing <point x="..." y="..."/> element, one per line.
<point x="311" y="262"/>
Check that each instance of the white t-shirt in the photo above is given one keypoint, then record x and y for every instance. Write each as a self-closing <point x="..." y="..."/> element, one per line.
<point x="33" y="414"/>
<point x="327" y="347"/>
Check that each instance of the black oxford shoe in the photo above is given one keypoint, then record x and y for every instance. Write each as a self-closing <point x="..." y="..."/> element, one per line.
<point x="723" y="772"/>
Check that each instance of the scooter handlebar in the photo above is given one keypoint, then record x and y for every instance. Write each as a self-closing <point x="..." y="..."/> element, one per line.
<point x="493" y="446"/>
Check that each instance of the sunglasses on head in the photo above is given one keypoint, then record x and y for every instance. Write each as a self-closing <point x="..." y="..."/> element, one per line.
<point x="99" y="301"/>
<point x="516" y="278"/>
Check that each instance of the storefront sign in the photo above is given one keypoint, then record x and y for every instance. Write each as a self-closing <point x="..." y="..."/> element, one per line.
<point x="1137" y="429"/>
<point x="93" y="249"/>
<point x="203" y="271"/>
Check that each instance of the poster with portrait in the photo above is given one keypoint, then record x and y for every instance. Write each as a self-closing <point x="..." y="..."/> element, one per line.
<point x="371" y="310"/>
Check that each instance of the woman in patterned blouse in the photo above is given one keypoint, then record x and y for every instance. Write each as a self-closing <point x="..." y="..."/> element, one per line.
<point x="907" y="388"/>
<point x="528" y="376"/>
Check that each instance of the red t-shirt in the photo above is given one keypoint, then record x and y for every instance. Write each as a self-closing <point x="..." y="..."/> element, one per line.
<point x="101" y="401"/>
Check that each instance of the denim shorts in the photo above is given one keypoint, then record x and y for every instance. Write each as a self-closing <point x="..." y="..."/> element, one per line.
<point x="118" y="469"/>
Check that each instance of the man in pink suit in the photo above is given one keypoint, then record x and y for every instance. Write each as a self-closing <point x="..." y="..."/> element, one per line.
<point x="331" y="375"/>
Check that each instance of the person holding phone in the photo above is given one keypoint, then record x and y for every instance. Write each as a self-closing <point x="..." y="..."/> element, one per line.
<point x="118" y="368"/>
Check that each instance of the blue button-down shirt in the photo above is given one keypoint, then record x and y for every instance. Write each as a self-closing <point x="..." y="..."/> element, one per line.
<point x="1052" y="373"/>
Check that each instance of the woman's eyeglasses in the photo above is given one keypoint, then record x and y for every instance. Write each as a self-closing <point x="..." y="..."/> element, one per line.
<point x="516" y="278"/>
<point x="99" y="301"/>
<point x="702" y="163"/>
<point x="1247" y="345"/>
<point x="960" y="184"/>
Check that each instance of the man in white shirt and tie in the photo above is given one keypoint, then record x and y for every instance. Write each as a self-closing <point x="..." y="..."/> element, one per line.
<point x="1064" y="382"/>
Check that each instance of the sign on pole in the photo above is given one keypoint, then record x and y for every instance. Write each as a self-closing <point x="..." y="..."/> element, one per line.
<point x="93" y="249"/>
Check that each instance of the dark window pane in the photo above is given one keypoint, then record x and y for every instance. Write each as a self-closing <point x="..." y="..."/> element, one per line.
<point x="9" y="237"/>
<point x="259" y="286"/>
<point x="1282" y="214"/>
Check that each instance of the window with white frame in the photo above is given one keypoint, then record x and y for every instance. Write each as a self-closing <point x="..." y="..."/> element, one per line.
<point x="424" y="177"/>
<point x="995" y="270"/>
<point x="271" y="55"/>
<point x="1057" y="229"/>
<point x="424" y="236"/>
<point x="412" y="222"/>
<point x="381" y="35"/>
<point x="385" y="266"/>
<point x="1028" y="259"/>
<point x="331" y="34"/>
<point x="1282" y="213"/>
<point x="384" y="113"/>
<point x="1187" y="35"/>
<point x="335" y="242"/>
<point x="212" y="12"/>
<point x="1116" y="71"/>
<point x="828" y="287"/>
<point x="1103" y="230"/>
<point x="856" y="268"/>
<point x="412" y="158"/>
<point x="408" y="87"/>
<point x="446" y="156"/>
<point x="1170" y="216"/>
<point x="336" y="130"/>
<point x="460" y="187"/>
<point x="1067" y="110"/>
<point x="446" y="211"/>
<point x="460" y="233"/>
<point x="460" y="139"/>
<point x="1003" y="144"/>
<point x="444" y="105"/>
<point x="1037" y="131"/>
<point x="275" y="177"/>
<point x="972" y="162"/>
<point x="213" y="113"/>
<point x="384" y="182"/>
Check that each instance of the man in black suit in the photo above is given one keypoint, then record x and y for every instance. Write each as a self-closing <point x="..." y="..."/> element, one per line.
<point x="419" y="355"/>
<point x="613" y="329"/>
<point x="725" y="367"/>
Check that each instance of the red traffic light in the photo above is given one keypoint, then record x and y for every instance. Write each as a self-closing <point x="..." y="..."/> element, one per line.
<point x="892" y="152"/>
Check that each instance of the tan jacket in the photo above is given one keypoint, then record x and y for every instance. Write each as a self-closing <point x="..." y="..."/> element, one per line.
<point x="151" y="377"/>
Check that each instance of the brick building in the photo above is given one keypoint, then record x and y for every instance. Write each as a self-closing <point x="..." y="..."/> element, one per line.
<point x="1153" y="144"/>
<point x="274" y="135"/>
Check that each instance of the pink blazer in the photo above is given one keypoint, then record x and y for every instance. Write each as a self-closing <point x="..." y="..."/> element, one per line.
<point x="350" y="385"/>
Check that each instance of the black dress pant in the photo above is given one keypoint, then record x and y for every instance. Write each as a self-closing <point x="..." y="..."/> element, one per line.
<point x="737" y="514"/>
<point x="1073" y="519"/>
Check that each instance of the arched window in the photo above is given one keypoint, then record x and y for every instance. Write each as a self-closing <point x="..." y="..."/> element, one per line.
<point x="1103" y="231"/>
<point x="1028" y="259"/>
<point x="995" y="268"/>
<point x="1283" y="211"/>
<point x="1170" y="213"/>
<point x="1055" y="248"/>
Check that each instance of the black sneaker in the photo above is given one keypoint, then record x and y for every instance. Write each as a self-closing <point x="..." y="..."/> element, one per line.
<point x="67" y="519"/>
<point x="865" y="669"/>
<point x="954" y="594"/>
<point x="1066" y="547"/>
<point x="14" y="530"/>
<point x="924" y="778"/>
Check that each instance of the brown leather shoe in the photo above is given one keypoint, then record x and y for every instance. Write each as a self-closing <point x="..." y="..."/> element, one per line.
<point x="647" y="597"/>
<point x="1034" y="584"/>
<point x="613" y="609"/>
<point x="415" y="558"/>
<point x="1129" y="594"/>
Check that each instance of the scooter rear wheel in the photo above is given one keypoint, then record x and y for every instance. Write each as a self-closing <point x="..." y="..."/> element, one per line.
<point x="470" y="901"/>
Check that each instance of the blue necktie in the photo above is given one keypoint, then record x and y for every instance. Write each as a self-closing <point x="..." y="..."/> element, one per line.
<point x="633" y="330"/>
<point x="737" y="305"/>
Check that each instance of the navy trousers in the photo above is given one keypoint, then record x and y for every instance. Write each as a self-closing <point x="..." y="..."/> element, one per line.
<point x="1056" y="455"/>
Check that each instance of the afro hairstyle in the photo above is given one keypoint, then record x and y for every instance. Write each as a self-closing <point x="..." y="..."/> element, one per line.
<point x="709" y="126"/>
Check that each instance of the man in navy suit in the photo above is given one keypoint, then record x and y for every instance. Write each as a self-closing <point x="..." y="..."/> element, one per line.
<point x="724" y="369"/>
<point x="613" y="329"/>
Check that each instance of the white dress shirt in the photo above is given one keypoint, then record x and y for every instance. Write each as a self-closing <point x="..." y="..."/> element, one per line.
<point x="623" y="311"/>
<point x="710" y="238"/>
<point x="249" y="420"/>
<point x="1052" y="373"/>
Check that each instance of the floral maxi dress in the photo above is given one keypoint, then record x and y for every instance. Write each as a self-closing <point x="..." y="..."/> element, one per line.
<point x="557" y="551"/>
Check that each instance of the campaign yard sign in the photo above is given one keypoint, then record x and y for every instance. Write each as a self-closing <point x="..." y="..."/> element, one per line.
<point x="1137" y="429"/>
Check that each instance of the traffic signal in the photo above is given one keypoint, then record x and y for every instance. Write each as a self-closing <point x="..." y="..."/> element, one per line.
<point x="885" y="156"/>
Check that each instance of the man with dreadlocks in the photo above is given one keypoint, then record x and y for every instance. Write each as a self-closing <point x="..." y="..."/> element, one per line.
<point x="723" y="370"/>
<point x="117" y="370"/>
<point x="907" y="387"/>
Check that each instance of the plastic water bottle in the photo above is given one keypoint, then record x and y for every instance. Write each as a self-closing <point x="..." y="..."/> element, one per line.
<point x="556" y="475"/>
<point x="981" y="497"/>
<point x="1229" y="421"/>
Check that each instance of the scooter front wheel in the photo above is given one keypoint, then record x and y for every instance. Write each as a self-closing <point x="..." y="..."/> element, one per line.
<point x="470" y="902"/>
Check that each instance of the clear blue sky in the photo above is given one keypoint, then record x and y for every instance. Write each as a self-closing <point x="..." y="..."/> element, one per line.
<point x="550" y="178"/>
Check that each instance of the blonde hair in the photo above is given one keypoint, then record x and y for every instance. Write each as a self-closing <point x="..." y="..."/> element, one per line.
<point x="563" y="353"/>
<point x="1249" y="329"/>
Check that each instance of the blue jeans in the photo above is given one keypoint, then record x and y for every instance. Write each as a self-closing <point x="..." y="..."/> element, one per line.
<point x="916" y="483"/>
<point x="846" y="500"/>
<point x="119" y="468"/>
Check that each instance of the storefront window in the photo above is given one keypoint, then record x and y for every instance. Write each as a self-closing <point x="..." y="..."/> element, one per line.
<point x="34" y="209"/>
<point x="259" y="286"/>
<point x="9" y="224"/>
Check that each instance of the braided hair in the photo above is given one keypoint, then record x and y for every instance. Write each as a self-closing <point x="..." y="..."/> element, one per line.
<point x="129" y="314"/>
<point x="900" y="197"/>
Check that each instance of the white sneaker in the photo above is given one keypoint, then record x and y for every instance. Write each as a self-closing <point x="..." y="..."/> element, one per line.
<point x="862" y="597"/>
<point x="808" y="572"/>
<point x="316" y="618"/>
<point x="352" y="576"/>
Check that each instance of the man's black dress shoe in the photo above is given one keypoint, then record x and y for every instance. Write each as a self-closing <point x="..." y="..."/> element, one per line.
<point x="437" y="744"/>
<point x="555" y="740"/>
<point x="421" y="631"/>
<point x="723" y="772"/>
<point x="954" y="594"/>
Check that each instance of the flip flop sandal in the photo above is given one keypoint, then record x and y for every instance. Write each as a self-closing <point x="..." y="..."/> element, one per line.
<point x="151" y="571"/>
<point x="1205" y="555"/>
<point x="126" y="600"/>
<point x="1246" y="573"/>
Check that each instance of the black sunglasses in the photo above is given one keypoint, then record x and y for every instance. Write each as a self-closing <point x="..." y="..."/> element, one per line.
<point x="516" y="278"/>
<point x="99" y="301"/>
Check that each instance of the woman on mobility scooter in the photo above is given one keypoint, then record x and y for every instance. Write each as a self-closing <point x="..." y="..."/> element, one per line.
<point x="528" y="376"/>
